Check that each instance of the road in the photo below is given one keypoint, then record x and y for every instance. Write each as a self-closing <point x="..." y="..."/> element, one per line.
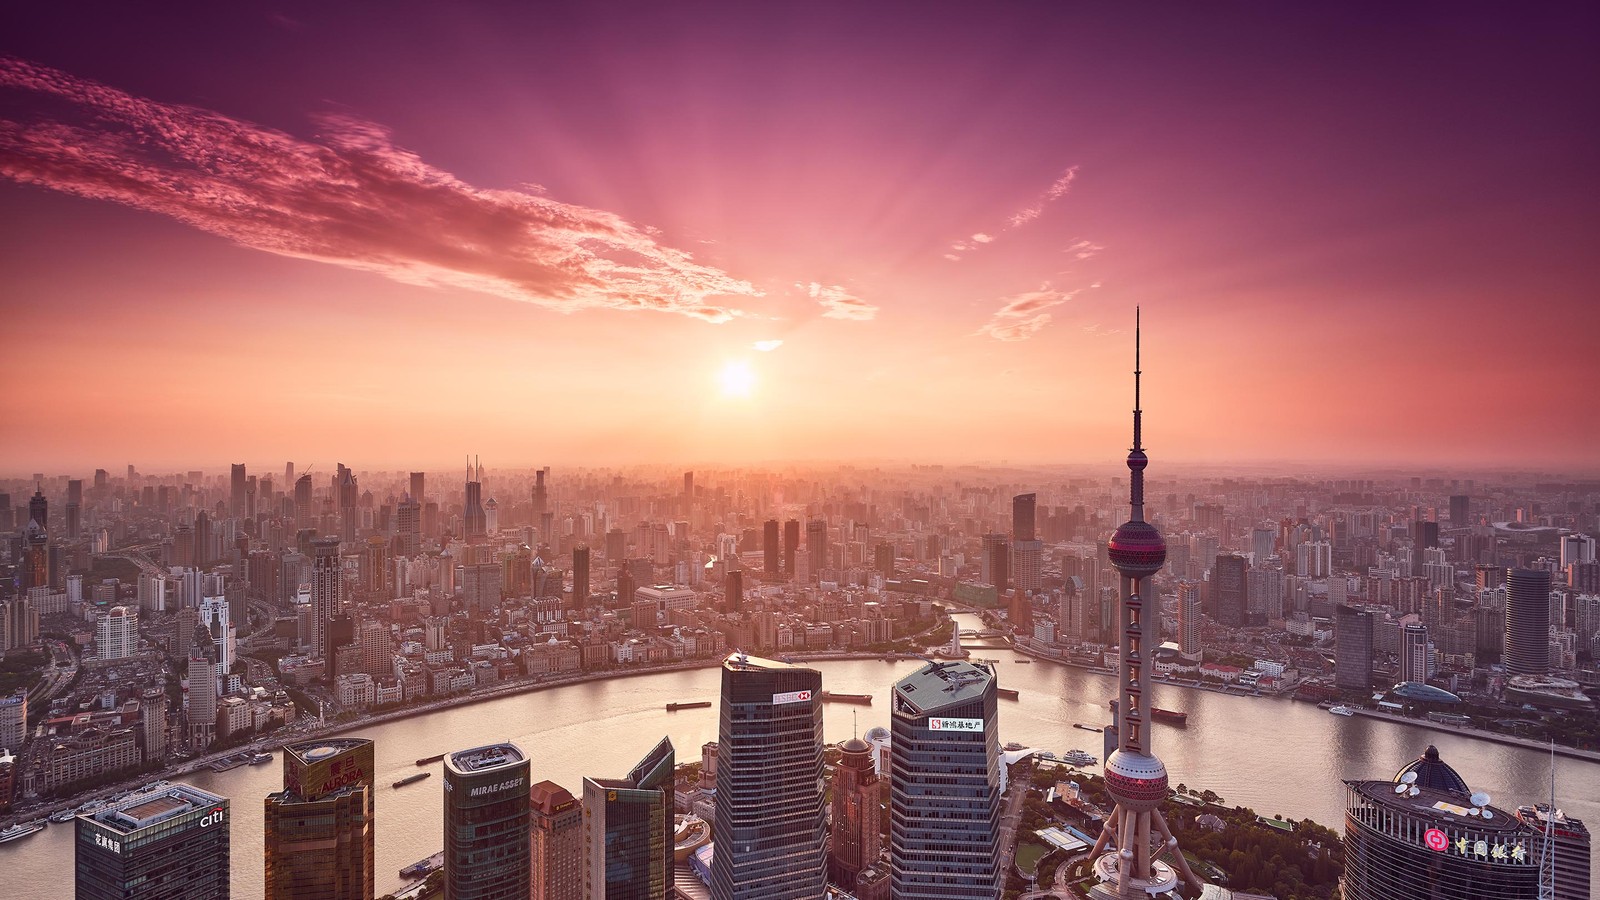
<point x="1011" y="817"/>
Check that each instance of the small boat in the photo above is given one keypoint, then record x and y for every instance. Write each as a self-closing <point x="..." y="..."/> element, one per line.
<point x="1023" y="662"/>
<point x="1079" y="757"/>
<point x="20" y="831"/>
<point x="260" y="758"/>
<point x="858" y="699"/>
<point x="1086" y="727"/>
<point x="429" y="760"/>
<point x="63" y="815"/>
<point x="693" y="704"/>
<point x="1008" y="693"/>
<point x="422" y="867"/>
<point x="412" y="779"/>
<point x="1341" y="710"/>
<point x="1170" y="716"/>
<point x="1012" y="747"/>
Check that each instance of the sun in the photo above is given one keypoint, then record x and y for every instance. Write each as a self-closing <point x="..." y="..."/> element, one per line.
<point x="736" y="379"/>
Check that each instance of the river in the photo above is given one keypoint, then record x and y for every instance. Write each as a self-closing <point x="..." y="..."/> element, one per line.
<point x="1278" y="756"/>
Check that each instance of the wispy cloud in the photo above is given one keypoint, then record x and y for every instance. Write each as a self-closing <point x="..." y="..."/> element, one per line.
<point x="766" y="346"/>
<point x="350" y="198"/>
<point x="1084" y="249"/>
<point x="838" y="303"/>
<point x="1020" y="317"/>
<point x="1056" y="191"/>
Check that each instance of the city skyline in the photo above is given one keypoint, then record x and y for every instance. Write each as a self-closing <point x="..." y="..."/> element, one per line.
<point x="1365" y="249"/>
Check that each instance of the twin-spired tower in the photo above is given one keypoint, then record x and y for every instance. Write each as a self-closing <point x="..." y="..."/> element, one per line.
<point x="1136" y="834"/>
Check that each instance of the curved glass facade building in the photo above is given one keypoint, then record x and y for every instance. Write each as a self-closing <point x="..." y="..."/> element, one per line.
<point x="1418" y="836"/>
<point x="487" y="809"/>
<point x="771" y="832"/>
<point x="1527" y="640"/>
<point x="944" y="785"/>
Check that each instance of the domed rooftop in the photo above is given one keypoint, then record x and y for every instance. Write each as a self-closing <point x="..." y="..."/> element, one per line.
<point x="856" y="745"/>
<point x="1434" y="773"/>
<point x="877" y="733"/>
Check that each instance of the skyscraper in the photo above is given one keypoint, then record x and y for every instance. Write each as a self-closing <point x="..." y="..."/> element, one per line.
<point x="320" y="829"/>
<point x="486" y="824"/>
<point x="116" y="634"/>
<point x="733" y="589"/>
<point x="1569" y="838"/>
<point x="1352" y="648"/>
<point x="475" y="523"/>
<point x="944" y="792"/>
<point x="162" y="843"/>
<point x="817" y="549"/>
<point x="1424" y="835"/>
<point x="771" y="548"/>
<point x="302" y="501"/>
<point x="996" y="562"/>
<point x="1229" y="590"/>
<point x="1135" y="778"/>
<point x="770" y="826"/>
<point x="419" y="485"/>
<point x="853" y="838"/>
<point x="791" y="545"/>
<point x="327" y="588"/>
<point x="628" y="830"/>
<point x="1414" y="651"/>
<point x="1024" y="517"/>
<point x="202" y="694"/>
<point x="236" y="492"/>
<point x="1527" y="634"/>
<point x="1460" y="511"/>
<point x="556" y="836"/>
<point x="1189" y="616"/>
<point x="580" y="576"/>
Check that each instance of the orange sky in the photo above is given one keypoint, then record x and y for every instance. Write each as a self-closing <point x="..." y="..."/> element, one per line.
<point x="948" y="233"/>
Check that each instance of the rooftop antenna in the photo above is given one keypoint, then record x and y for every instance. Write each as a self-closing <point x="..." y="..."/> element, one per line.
<point x="1547" y="858"/>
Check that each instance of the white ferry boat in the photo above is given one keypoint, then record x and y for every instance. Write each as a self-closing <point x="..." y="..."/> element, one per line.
<point x="1079" y="758"/>
<point x="1341" y="710"/>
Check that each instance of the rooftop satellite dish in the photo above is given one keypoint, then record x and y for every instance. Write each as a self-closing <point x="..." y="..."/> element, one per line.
<point x="1474" y="811"/>
<point x="1487" y="814"/>
<point x="1480" y="799"/>
<point x="1399" y="789"/>
<point x="1408" y="778"/>
<point x="1413" y="791"/>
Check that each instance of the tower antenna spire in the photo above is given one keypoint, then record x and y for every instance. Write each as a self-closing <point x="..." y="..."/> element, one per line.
<point x="1137" y="413"/>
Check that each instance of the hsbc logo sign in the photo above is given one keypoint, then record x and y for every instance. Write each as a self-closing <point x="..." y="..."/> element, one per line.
<point x="791" y="697"/>
<point x="955" y="724"/>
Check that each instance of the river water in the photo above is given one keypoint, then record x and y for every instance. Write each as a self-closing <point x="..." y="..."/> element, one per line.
<point x="1277" y="756"/>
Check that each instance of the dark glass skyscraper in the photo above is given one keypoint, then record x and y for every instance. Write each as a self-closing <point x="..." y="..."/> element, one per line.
<point x="944" y="785"/>
<point x="771" y="548"/>
<point x="170" y="843"/>
<point x="791" y="545"/>
<point x="1024" y="509"/>
<point x="486" y="824"/>
<point x="627" y="831"/>
<point x="1352" y="648"/>
<point x="580" y="576"/>
<point x="320" y="830"/>
<point x="1229" y="587"/>
<point x="1527" y="636"/>
<point x="770" y="826"/>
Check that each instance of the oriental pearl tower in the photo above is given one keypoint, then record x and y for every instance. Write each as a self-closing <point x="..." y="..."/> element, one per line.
<point x="1136" y="833"/>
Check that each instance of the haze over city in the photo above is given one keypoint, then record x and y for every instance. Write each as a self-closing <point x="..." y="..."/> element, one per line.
<point x="828" y="451"/>
<point x="821" y="233"/>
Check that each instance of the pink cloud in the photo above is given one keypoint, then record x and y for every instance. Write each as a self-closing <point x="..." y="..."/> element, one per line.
<point x="1022" y="316"/>
<point x="1057" y="189"/>
<point x="351" y="198"/>
<point x="838" y="303"/>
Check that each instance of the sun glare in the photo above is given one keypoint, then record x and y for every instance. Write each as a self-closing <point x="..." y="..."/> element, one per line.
<point x="736" y="379"/>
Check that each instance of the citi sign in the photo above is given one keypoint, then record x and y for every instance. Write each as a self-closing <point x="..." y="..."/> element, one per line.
<point x="791" y="697"/>
<point x="955" y="724"/>
<point x="212" y="818"/>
